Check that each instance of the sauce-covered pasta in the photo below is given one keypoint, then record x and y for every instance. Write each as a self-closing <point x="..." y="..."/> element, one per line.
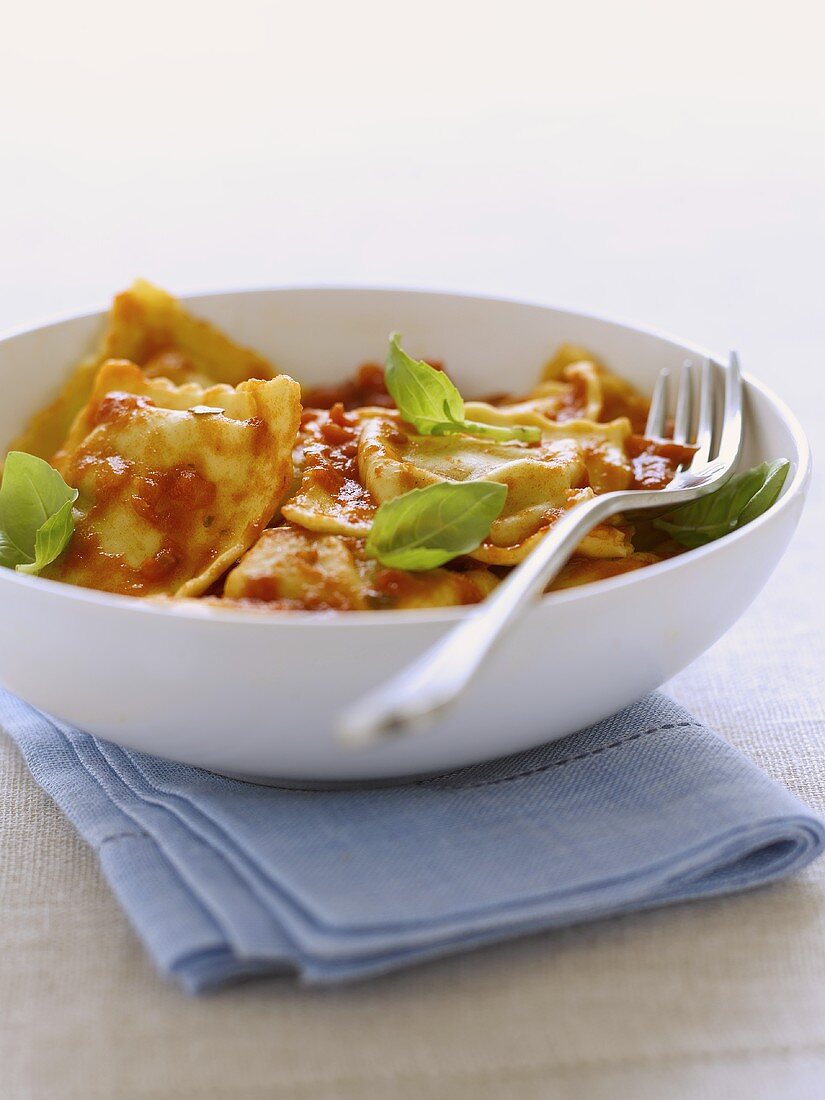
<point x="201" y="472"/>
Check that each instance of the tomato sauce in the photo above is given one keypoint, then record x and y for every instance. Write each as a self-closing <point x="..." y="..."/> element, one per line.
<point x="366" y="387"/>
<point x="117" y="406"/>
<point x="331" y="455"/>
<point x="175" y="502"/>
<point x="655" y="461"/>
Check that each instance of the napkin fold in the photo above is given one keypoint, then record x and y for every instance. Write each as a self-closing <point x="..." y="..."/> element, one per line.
<point x="224" y="880"/>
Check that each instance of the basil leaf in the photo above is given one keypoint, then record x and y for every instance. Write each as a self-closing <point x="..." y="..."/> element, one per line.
<point x="424" y="528"/>
<point x="36" y="519"/>
<point x="741" y="499"/>
<point x="51" y="539"/>
<point x="504" y="432"/>
<point x="10" y="555"/>
<point x="427" y="399"/>
<point x="767" y="495"/>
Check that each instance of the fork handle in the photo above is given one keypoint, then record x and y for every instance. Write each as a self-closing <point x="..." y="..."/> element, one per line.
<point x="438" y="677"/>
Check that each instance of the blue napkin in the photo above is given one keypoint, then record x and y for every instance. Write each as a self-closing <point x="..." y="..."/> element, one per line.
<point x="223" y="879"/>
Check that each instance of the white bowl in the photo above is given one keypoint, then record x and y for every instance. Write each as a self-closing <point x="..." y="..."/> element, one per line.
<point x="256" y="695"/>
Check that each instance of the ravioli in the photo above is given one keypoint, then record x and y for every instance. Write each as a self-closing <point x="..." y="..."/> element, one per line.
<point x="352" y="462"/>
<point x="330" y="496"/>
<point x="567" y="355"/>
<point x="576" y="383"/>
<point x="300" y="570"/>
<point x="580" y="570"/>
<point x="602" y="446"/>
<point x="153" y="330"/>
<point x="199" y="476"/>
<point x="175" y="482"/>
<point x="542" y="481"/>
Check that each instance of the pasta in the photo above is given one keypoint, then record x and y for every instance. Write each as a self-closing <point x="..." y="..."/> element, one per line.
<point x="148" y="327"/>
<point x="542" y="482"/>
<point x="175" y="482"/>
<point x="294" y="567"/>
<point x="201" y="474"/>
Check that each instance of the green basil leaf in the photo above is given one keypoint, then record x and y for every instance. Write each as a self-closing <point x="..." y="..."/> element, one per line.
<point x="525" y="433"/>
<point x="767" y="495"/>
<point x="10" y="555"/>
<point x="35" y="513"/>
<point x="50" y="540"/>
<point x="424" y="528"/>
<point x="427" y="399"/>
<point x="741" y="499"/>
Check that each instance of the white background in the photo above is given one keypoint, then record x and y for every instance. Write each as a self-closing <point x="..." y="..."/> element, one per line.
<point x="660" y="163"/>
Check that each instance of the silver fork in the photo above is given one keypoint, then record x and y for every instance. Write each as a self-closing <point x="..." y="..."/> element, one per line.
<point x="441" y="674"/>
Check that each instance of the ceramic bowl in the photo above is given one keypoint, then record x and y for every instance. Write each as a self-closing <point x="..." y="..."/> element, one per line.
<point x="257" y="695"/>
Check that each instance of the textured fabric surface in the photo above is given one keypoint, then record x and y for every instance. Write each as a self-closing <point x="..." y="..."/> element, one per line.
<point x="223" y="879"/>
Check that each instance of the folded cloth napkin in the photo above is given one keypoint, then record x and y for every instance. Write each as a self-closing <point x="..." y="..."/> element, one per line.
<point x="224" y="879"/>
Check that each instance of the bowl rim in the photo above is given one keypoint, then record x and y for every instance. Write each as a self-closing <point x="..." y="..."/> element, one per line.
<point x="265" y="617"/>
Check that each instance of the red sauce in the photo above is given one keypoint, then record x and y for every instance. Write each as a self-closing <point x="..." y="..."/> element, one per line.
<point x="391" y="586"/>
<point x="117" y="406"/>
<point x="331" y="455"/>
<point x="161" y="566"/>
<point x="632" y="405"/>
<point x="391" y="582"/>
<point x="655" y="461"/>
<point x="167" y="498"/>
<point x="396" y="437"/>
<point x="176" y="502"/>
<point x="86" y="562"/>
<point x="573" y="401"/>
<point x="366" y="387"/>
